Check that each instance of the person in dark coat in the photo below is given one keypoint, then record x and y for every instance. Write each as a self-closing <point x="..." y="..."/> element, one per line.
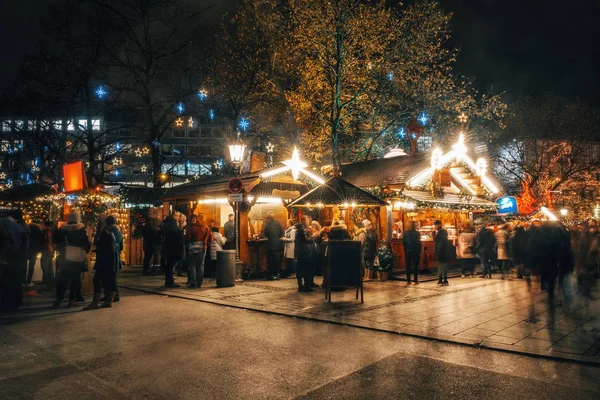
<point x="273" y="233"/>
<point x="173" y="245"/>
<point x="151" y="237"/>
<point x="47" y="253"/>
<point x="411" y="240"/>
<point x="109" y="244"/>
<point x="74" y="245"/>
<point x="14" y="241"/>
<point x="36" y="245"/>
<point x="518" y="249"/>
<point x="442" y="252"/>
<point x="485" y="244"/>
<point x="229" y="232"/>
<point x="302" y="251"/>
<point x="338" y="231"/>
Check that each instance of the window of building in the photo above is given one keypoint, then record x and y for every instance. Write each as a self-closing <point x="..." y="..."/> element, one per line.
<point x="5" y="145"/>
<point x="31" y="125"/>
<point x="82" y="124"/>
<point x="205" y="151"/>
<point x="6" y="126"/>
<point x="206" y="132"/>
<point x="44" y="125"/>
<point x="58" y="124"/>
<point x="194" y="132"/>
<point x="193" y="151"/>
<point x="178" y="132"/>
<point x="179" y="149"/>
<point x="95" y="124"/>
<point x="70" y="126"/>
<point x="173" y="169"/>
<point x="19" y="124"/>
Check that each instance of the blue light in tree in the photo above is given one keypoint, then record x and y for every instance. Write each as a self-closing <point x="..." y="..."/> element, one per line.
<point x="11" y="150"/>
<point x="175" y="151"/>
<point x="118" y="145"/>
<point x="423" y="118"/>
<point x="402" y="133"/>
<point x="202" y="94"/>
<point x="155" y="143"/>
<point x="117" y="172"/>
<point x="211" y="114"/>
<point x="100" y="92"/>
<point x="414" y="135"/>
<point x="390" y="76"/>
<point x="35" y="162"/>
<point x="180" y="108"/>
<point x="244" y="123"/>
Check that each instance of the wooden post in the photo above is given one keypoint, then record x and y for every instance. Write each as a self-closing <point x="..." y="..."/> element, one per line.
<point x="243" y="230"/>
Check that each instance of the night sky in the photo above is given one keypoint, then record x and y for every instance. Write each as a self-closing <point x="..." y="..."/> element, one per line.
<point x="517" y="46"/>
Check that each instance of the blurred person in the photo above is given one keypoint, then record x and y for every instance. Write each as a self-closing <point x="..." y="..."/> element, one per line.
<point x="172" y="248"/>
<point x="14" y="242"/>
<point x="485" y="243"/>
<point x="467" y="250"/>
<point x="518" y="248"/>
<point x="360" y="234"/>
<point x="151" y="245"/>
<point x="47" y="253"/>
<point x="338" y="231"/>
<point x="288" y="249"/>
<point x="36" y="245"/>
<point x="442" y="252"/>
<point x="411" y="241"/>
<point x="198" y="238"/>
<point x="302" y="256"/>
<point x="216" y="244"/>
<point x="229" y="232"/>
<point x="73" y="239"/>
<point x="109" y="245"/>
<point x="502" y="245"/>
<point x="273" y="233"/>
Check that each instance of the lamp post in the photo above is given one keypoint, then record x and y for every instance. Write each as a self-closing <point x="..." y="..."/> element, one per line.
<point x="236" y="152"/>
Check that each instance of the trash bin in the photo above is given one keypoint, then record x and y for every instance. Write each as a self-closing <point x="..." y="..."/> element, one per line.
<point x="226" y="268"/>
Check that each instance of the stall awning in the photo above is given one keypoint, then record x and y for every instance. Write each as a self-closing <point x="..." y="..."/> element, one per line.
<point x="450" y="200"/>
<point x="337" y="191"/>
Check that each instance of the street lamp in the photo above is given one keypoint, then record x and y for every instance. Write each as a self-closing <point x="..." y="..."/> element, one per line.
<point x="236" y="152"/>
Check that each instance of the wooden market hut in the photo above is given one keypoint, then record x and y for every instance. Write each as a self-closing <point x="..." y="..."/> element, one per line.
<point x="425" y="187"/>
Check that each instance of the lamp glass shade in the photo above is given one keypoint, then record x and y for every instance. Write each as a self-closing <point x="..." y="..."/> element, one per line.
<point x="236" y="151"/>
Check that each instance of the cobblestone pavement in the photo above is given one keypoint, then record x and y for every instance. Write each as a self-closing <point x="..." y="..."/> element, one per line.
<point x="499" y="314"/>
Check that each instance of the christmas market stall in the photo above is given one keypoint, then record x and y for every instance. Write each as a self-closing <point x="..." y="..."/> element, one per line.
<point x="255" y="194"/>
<point x="25" y="198"/>
<point x="421" y="188"/>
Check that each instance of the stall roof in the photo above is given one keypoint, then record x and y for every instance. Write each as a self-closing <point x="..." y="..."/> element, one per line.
<point x="384" y="171"/>
<point x="422" y="198"/>
<point x="26" y="192"/>
<point x="337" y="191"/>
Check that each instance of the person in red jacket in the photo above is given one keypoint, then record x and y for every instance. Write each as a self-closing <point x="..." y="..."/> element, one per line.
<point x="197" y="238"/>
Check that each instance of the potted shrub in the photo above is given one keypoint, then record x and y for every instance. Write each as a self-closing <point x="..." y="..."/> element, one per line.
<point x="384" y="262"/>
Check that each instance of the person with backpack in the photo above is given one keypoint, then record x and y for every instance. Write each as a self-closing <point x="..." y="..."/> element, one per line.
<point x="411" y="240"/>
<point x="109" y="244"/>
<point x="198" y="237"/>
<point x="74" y="246"/>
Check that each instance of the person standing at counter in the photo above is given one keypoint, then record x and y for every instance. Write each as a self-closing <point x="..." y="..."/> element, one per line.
<point x="288" y="249"/>
<point x="412" y="252"/>
<point x="273" y="233"/>
<point x="229" y="231"/>
<point x="442" y="252"/>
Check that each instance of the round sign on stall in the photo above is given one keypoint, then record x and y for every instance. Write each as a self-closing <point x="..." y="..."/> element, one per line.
<point x="235" y="185"/>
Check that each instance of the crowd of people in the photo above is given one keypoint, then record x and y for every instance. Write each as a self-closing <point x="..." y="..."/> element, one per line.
<point x="22" y="244"/>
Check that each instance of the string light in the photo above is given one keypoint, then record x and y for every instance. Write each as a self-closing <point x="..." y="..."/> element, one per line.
<point x="270" y="147"/>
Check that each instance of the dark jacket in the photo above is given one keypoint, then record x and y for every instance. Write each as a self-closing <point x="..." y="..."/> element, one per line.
<point x="302" y="243"/>
<point x="338" y="232"/>
<point x="370" y="245"/>
<point x="411" y="239"/>
<point x="17" y="240"/>
<point x="229" y="231"/>
<point x="173" y="239"/>
<point x="518" y="246"/>
<point x="73" y="234"/>
<point x="151" y="237"/>
<point x="273" y="232"/>
<point x="442" y="248"/>
<point x="485" y="243"/>
<point x="108" y="249"/>
<point x="36" y="239"/>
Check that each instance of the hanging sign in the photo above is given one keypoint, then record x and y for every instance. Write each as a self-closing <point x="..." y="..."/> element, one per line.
<point x="74" y="176"/>
<point x="507" y="205"/>
<point x="235" y="185"/>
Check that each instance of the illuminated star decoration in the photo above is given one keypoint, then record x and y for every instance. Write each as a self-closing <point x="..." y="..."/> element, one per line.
<point x="179" y="122"/>
<point x="69" y="143"/>
<point x="218" y="164"/>
<point x="99" y="157"/>
<point x="270" y="147"/>
<point x="463" y="117"/>
<point x="144" y="168"/>
<point x="118" y="146"/>
<point x="244" y="123"/>
<point x="100" y="92"/>
<point x="390" y="76"/>
<point x="116" y="172"/>
<point x="146" y="150"/>
<point x="155" y="143"/>
<point x="423" y="118"/>
<point x="9" y="183"/>
<point x="211" y="114"/>
<point x="402" y="133"/>
<point x="138" y="152"/>
<point x="180" y="108"/>
<point x="191" y="122"/>
<point x="2" y="175"/>
<point x="295" y="165"/>
<point x="117" y="161"/>
<point x="196" y="176"/>
<point x="202" y="94"/>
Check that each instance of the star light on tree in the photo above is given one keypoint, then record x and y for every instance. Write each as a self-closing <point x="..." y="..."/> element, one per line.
<point x="2" y="175"/>
<point x="295" y="165"/>
<point x="100" y="92"/>
<point x="390" y="76"/>
<point x="423" y="118"/>
<point x="270" y="147"/>
<point x="138" y="152"/>
<point x="180" y="108"/>
<point x="202" y="94"/>
<point x="144" y="168"/>
<point x="116" y="172"/>
<point x="402" y="132"/>
<point x="146" y="150"/>
<point x="9" y="183"/>
<point x="191" y="122"/>
<point x="99" y="157"/>
<point x="179" y="122"/>
<point x="211" y="114"/>
<point x="244" y="123"/>
<point x="155" y="143"/>
<point x="196" y="176"/>
<point x="463" y="117"/>
<point x="69" y="143"/>
<point x="117" y="161"/>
